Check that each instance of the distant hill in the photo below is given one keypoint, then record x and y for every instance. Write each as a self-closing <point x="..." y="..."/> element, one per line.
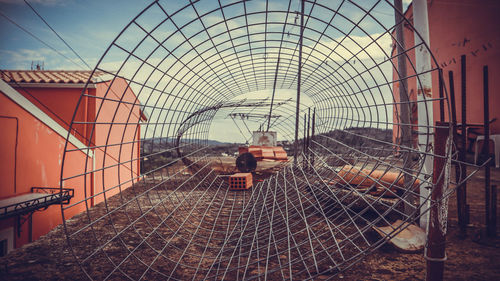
<point x="171" y="140"/>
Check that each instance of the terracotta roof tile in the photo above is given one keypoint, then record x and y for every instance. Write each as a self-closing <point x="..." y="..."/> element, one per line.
<point x="47" y="76"/>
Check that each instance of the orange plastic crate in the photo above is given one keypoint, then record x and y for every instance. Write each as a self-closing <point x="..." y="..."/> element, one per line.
<point x="240" y="181"/>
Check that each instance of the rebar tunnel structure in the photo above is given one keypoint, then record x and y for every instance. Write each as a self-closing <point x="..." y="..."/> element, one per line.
<point x="154" y="205"/>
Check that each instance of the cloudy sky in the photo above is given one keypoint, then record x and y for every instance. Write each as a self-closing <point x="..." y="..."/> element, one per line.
<point x="90" y="26"/>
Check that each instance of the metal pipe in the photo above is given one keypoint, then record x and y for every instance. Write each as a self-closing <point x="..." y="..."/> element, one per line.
<point x="493" y="213"/>
<point x="452" y="101"/>
<point x="441" y="95"/>
<point x="299" y="78"/>
<point x="463" y="139"/>
<point x="312" y="133"/>
<point x="436" y="231"/>
<point x="458" y="175"/>
<point x="486" y="151"/>
<point x="272" y="97"/>
<point x="92" y="181"/>
<point x="30" y="227"/>
<point x="424" y="96"/>
<point x="304" y="142"/>
<point x="308" y="131"/>
<point x="304" y="138"/>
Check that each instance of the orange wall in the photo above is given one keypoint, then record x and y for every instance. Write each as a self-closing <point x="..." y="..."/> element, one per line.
<point x="40" y="149"/>
<point x="60" y="104"/>
<point x="470" y="28"/>
<point x="40" y="152"/>
<point x="7" y="153"/>
<point x="113" y="179"/>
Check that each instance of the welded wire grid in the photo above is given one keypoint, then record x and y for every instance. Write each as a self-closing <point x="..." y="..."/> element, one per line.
<point x="191" y="64"/>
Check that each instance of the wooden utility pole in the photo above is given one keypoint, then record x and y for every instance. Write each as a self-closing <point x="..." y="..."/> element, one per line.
<point x="299" y="81"/>
<point x="404" y="107"/>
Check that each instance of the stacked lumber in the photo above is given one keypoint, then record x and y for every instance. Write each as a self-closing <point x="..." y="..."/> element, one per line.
<point x="265" y="153"/>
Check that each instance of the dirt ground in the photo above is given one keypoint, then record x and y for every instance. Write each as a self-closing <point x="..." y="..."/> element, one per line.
<point x="474" y="257"/>
<point x="469" y="258"/>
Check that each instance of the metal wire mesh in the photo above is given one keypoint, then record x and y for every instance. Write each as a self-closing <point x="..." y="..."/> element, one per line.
<point x="155" y="207"/>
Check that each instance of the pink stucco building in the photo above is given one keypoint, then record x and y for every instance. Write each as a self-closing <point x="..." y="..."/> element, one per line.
<point x="36" y="109"/>
<point x="457" y="28"/>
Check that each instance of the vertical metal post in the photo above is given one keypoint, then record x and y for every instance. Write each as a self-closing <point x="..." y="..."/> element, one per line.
<point x="452" y="101"/>
<point x="308" y="130"/>
<point x="424" y="99"/>
<point x="486" y="151"/>
<point x="493" y="212"/>
<point x="307" y="154"/>
<point x="312" y="133"/>
<point x="304" y="143"/>
<point x="458" y="175"/>
<point x="30" y="227"/>
<point x="441" y="96"/>
<point x="404" y="106"/>
<point x="299" y="78"/>
<point x="436" y="231"/>
<point x="272" y="97"/>
<point x="463" y="152"/>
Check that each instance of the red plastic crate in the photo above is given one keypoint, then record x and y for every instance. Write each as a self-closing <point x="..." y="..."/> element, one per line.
<point x="240" y="181"/>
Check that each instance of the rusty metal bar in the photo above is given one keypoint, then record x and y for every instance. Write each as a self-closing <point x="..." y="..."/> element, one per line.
<point x="463" y="142"/>
<point x="308" y="131"/>
<point x="436" y="232"/>
<point x="441" y="95"/>
<point x="493" y="212"/>
<point x="274" y="92"/>
<point x="486" y="151"/>
<point x="312" y="133"/>
<point x="304" y="138"/>
<point x="458" y="175"/>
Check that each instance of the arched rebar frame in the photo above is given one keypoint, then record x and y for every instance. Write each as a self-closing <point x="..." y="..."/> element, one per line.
<point x="153" y="207"/>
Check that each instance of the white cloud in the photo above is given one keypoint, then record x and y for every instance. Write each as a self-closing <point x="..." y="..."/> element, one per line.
<point x="22" y="58"/>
